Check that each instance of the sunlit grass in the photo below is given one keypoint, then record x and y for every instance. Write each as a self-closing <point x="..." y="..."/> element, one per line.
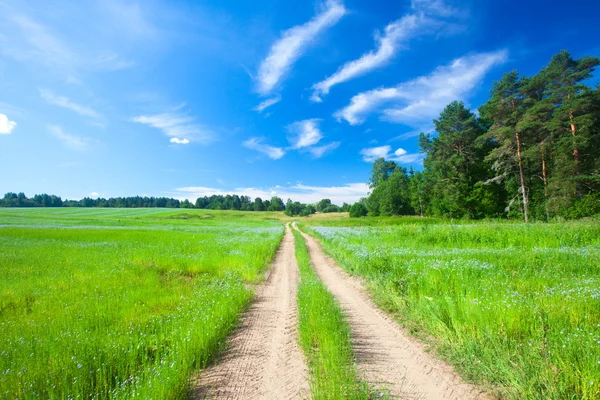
<point x="96" y="308"/>
<point x="325" y="336"/>
<point x="513" y="306"/>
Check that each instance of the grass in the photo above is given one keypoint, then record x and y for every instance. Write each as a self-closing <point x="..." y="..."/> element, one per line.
<point x="325" y="336"/>
<point x="514" y="307"/>
<point x="120" y="303"/>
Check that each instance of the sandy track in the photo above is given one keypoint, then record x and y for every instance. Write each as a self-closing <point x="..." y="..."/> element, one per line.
<point x="386" y="355"/>
<point x="263" y="360"/>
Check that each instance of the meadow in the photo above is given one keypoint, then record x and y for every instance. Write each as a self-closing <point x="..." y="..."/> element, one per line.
<point x="514" y="307"/>
<point x="106" y="303"/>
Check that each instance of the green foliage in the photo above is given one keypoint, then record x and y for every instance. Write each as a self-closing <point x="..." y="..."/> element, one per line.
<point x="358" y="210"/>
<point x="293" y="209"/>
<point x="531" y="154"/>
<point x="514" y="307"/>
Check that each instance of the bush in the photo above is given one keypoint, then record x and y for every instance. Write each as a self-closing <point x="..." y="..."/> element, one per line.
<point x="358" y="210"/>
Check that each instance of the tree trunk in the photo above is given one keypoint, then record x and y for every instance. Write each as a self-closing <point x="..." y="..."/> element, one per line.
<point x="545" y="176"/>
<point x="522" y="175"/>
<point x="575" y="151"/>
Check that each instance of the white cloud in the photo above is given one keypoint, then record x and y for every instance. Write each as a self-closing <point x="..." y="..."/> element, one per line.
<point x="388" y="45"/>
<point x="304" y="133"/>
<point x="71" y="141"/>
<point x="267" y="103"/>
<point x="6" y="125"/>
<point x="373" y="153"/>
<point x="427" y="18"/>
<point x="320" y="151"/>
<point x="179" y="127"/>
<point x="272" y="152"/>
<point x="179" y="141"/>
<point x="348" y="193"/>
<point x="64" y="102"/>
<point x="400" y="155"/>
<point x="418" y="101"/>
<point x="292" y="44"/>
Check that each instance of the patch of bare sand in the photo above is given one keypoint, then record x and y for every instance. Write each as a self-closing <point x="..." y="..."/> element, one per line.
<point x="263" y="360"/>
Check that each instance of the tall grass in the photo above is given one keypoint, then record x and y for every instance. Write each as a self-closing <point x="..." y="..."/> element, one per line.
<point x="88" y="310"/>
<point x="325" y="336"/>
<point x="516" y="307"/>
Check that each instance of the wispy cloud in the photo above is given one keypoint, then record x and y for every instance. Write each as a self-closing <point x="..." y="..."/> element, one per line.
<point x="435" y="7"/>
<point x="320" y="151"/>
<point x="418" y="101"/>
<point x="293" y="42"/>
<point x="30" y="41"/>
<point x="388" y="45"/>
<point x="267" y="103"/>
<point x="257" y="144"/>
<point x="400" y="155"/>
<point x="182" y="129"/>
<point x="304" y="133"/>
<point x="64" y="102"/>
<point x="73" y="142"/>
<point x="348" y="193"/>
<point x="6" y="125"/>
<point x="427" y="17"/>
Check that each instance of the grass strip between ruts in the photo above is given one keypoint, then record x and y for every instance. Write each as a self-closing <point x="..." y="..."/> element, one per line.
<point x="325" y="336"/>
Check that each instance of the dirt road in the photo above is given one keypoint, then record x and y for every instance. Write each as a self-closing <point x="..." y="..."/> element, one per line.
<point x="386" y="356"/>
<point x="263" y="360"/>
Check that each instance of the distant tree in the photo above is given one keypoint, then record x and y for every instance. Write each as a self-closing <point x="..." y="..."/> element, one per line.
<point x="258" y="204"/>
<point x="276" y="204"/>
<point x="358" y="210"/>
<point x="323" y="204"/>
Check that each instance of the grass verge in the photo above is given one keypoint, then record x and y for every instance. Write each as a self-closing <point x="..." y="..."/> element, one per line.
<point x="325" y="336"/>
<point x="514" y="307"/>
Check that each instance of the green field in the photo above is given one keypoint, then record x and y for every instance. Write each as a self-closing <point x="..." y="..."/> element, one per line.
<point x="102" y="303"/>
<point x="107" y="303"/>
<point x="515" y="307"/>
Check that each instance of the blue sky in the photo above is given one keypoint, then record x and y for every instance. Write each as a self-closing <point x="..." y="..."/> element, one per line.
<point x="183" y="98"/>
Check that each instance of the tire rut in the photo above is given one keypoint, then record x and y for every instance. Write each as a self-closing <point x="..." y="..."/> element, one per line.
<point x="386" y="356"/>
<point x="263" y="360"/>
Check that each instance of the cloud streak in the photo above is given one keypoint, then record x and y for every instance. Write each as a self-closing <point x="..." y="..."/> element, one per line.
<point x="293" y="42"/>
<point x="181" y="129"/>
<point x="400" y="155"/>
<point x="6" y="125"/>
<point x="255" y="143"/>
<point x="388" y="45"/>
<point x="64" y="102"/>
<point x="267" y="103"/>
<point x="427" y="18"/>
<point x="418" y="101"/>
<point x="73" y="142"/>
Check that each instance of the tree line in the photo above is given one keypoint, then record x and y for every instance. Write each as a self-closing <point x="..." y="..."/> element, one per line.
<point x="532" y="152"/>
<point x="214" y="202"/>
